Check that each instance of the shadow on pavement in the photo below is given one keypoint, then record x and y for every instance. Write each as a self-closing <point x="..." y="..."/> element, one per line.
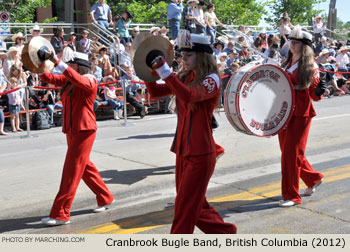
<point x="147" y="136"/>
<point x="130" y="177"/>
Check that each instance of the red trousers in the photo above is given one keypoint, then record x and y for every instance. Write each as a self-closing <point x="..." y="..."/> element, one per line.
<point x="78" y="166"/>
<point x="293" y="162"/>
<point x="191" y="209"/>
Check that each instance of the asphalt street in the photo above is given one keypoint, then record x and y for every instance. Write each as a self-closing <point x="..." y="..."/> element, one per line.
<point x="138" y="167"/>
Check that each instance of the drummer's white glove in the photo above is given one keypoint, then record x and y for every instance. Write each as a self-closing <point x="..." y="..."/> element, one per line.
<point x="155" y="60"/>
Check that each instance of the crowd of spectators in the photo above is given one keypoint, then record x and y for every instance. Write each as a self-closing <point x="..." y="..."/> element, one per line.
<point x="112" y="62"/>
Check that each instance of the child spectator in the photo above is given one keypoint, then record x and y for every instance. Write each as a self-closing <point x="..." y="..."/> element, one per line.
<point x="113" y="101"/>
<point x="14" y="104"/>
<point x="85" y="42"/>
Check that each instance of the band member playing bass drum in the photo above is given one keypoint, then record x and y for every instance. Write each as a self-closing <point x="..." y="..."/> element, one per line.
<point x="197" y="90"/>
<point x="301" y="68"/>
<point x="79" y="124"/>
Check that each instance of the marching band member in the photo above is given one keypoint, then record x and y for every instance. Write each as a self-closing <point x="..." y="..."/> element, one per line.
<point x="197" y="90"/>
<point x="300" y="66"/>
<point x="79" y="124"/>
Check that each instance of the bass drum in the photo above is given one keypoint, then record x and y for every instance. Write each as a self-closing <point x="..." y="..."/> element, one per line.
<point x="259" y="100"/>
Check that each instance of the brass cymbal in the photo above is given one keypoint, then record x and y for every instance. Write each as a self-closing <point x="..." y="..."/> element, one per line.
<point x="142" y="45"/>
<point x="30" y="56"/>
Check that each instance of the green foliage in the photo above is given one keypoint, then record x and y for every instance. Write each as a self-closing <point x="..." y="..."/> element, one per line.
<point x="155" y="11"/>
<point x="299" y="11"/>
<point x="248" y="12"/>
<point x="22" y="11"/>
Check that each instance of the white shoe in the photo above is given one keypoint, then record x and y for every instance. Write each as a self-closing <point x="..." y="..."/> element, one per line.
<point x="120" y="113"/>
<point x="116" y="117"/>
<point x="53" y="222"/>
<point x="311" y="190"/>
<point x="287" y="203"/>
<point x="103" y="208"/>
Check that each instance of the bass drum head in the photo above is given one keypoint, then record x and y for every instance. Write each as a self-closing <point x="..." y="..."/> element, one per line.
<point x="259" y="100"/>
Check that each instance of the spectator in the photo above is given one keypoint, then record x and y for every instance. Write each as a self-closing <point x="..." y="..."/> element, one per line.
<point x="230" y="47"/>
<point x="154" y="31"/>
<point x="189" y="19"/>
<point x="200" y="21"/>
<point x="211" y="20"/>
<point x="318" y="28"/>
<point x="244" y="54"/>
<point x="131" y="91"/>
<point x="85" y="43"/>
<point x="241" y="28"/>
<point x="113" y="101"/>
<point x="14" y="104"/>
<point x="258" y="43"/>
<point x="33" y="80"/>
<point x="174" y="11"/>
<point x="343" y="60"/>
<point x="72" y="43"/>
<point x="136" y="32"/>
<point x="2" y="45"/>
<point x="19" y="42"/>
<point x="286" y="30"/>
<point x="21" y="77"/>
<point x="263" y="37"/>
<point x="3" y="86"/>
<point x="328" y="64"/>
<point x="332" y="49"/>
<point x="222" y="61"/>
<point x="177" y="64"/>
<point x="100" y="13"/>
<point x="104" y="61"/>
<point x="57" y="40"/>
<point x="123" y="25"/>
<point x="3" y="56"/>
<point x="232" y="58"/>
<point x="218" y="47"/>
<point x="49" y="100"/>
<point x="163" y="32"/>
<point x="95" y="69"/>
<point x="115" y="50"/>
<point x="272" y="53"/>
<point x="322" y="45"/>
<point x="36" y="30"/>
<point x="285" y="15"/>
<point x="12" y="59"/>
<point x="125" y="59"/>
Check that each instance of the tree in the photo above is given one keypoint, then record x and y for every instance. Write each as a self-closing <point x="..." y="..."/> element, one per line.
<point x="299" y="11"/>
<point x="247" y="12"/>
<point x="23" y="11"/>
<point x="155" y="11"/>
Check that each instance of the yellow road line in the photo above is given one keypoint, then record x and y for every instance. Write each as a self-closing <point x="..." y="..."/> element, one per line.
<point x="258" y="193"/>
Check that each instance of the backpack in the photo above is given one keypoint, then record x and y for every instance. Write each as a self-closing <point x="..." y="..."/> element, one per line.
<point x="41" y="120"/>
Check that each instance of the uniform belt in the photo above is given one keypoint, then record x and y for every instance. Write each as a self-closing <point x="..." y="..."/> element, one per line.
<point x="100" y="19"/>
<point x="173" y="19"/>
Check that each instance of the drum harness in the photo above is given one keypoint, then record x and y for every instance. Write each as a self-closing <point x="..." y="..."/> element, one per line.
<point x="290" y="71"/>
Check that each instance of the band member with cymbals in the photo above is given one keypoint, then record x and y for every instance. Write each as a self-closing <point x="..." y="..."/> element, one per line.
<point x="197" y="90"/>
<point x="301" y="68"/>
<point x="79" y="124"/>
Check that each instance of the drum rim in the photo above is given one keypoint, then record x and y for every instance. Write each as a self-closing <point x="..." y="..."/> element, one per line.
<point x="237" y="97"/>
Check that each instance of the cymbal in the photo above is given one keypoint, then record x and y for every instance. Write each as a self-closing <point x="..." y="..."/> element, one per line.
<point x="30" y="57"/>
<point x="142" y="45"/>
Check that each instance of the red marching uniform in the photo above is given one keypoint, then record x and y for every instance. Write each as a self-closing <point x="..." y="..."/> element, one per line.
<point x="79" y="125"/>
<point x="293" y="140"/>
<point x="195" y="151"/>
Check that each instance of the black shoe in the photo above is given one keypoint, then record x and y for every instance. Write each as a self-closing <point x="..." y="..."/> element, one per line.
<point x="143" y="113"/>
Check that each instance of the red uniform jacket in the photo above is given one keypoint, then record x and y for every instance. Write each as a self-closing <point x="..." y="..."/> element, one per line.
<point x="194" y="133"/>
<point x="303" y="102"/>
<point x="78" y="107"/>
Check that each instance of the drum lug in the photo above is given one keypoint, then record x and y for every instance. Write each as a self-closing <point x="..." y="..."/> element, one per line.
<point x="234" y="114"/>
